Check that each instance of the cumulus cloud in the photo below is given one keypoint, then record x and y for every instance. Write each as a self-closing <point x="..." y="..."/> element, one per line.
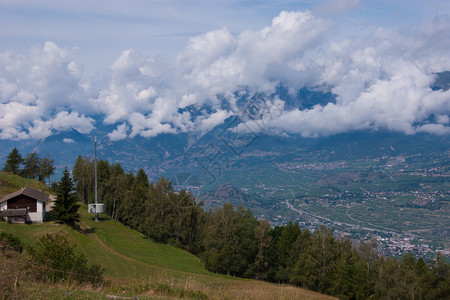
<point x="381" y="81"/>
<point x="207" y="123"/>
<point x="37" y="90"/>
<point x="119" y="134"/>
<point x="63" y="121"/>
<point x="434" y="128"/>
<point x="68" y="141"/>
<point x="210" y="69"/>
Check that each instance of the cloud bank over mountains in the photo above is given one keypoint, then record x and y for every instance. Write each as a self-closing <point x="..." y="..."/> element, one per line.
<point x="381" y="81"/>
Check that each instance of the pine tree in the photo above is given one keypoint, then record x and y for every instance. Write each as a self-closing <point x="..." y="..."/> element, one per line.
<point x="66" y="208"/>
<point x="141" y="178"/>
<point x="13" y="161"/>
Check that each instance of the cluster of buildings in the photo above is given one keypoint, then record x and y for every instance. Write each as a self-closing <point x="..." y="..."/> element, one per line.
<point x="390" y="242"/>
<point x="441" y="171"/>
<point x="316" y="166"/>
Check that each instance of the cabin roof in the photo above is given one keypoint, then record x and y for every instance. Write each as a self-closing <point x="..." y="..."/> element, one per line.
<point x="32" y="193"/>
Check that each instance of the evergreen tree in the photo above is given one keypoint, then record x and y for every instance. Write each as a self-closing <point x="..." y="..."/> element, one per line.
<point x="13" y="162"/>
<point x="102" y="172"/>
<point x="141" y="178"/>
<point x="420" y="267"/>
<point x="437" y="282"/>
<point x="66" y="208"/>
<point x="286" y="257"/>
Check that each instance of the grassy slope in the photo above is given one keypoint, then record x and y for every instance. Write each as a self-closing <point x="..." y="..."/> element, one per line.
<point x="136" y="247"/>
<point x="10" y="183"/>
<point x="131" y="259"/>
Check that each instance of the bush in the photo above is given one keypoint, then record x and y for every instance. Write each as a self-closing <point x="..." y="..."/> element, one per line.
<point x="9" y="242"/>
<point x="60" y="261"/>
<point x="17" y="270"/>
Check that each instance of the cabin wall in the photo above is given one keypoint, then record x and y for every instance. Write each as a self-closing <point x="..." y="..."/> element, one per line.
<point x="23" y="201"/>
<point x="38" y="216"/>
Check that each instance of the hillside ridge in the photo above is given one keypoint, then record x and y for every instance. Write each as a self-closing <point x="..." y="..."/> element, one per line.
<point x="132" y="260"/>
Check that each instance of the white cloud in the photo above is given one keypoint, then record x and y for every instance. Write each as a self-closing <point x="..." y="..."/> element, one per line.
<point x="34" y="86"/>
<point x="443" y="119"/>
<point x="119" y="134"/>
<point x="211" y="121"/>
<point x="68" y="141"/>
<point x="212" y="64"/>
<point x="434" y="129"/>
<point x="63" y="121"/>
<point x="381" y="81"/>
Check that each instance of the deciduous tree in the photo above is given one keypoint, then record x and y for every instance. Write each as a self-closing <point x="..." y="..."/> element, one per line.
<point x="32" y="167"/>
<point x="47" y="168"/>
<point x="83" y="176"/>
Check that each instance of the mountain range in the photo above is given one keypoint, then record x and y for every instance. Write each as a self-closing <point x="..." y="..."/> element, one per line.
<point x="241" y="154"/>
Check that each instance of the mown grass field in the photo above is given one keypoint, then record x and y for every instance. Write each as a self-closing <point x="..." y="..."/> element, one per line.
<point x="137" y="266"/>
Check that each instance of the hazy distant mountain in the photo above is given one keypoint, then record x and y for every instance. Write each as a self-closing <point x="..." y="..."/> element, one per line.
<point x="172" y="154"/>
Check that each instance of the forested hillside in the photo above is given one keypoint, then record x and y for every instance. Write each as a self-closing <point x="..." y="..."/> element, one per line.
<point x="104" y="260"/>
<point x="232" y="241"/>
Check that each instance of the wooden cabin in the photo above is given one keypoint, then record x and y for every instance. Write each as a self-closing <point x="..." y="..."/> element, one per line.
<point x="23" y="206"/>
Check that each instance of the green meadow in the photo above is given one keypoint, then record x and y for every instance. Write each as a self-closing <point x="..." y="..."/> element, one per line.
<point x="137" y="266"/>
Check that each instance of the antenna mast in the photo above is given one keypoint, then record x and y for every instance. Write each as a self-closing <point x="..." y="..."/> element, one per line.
<point x="95" y="163"/>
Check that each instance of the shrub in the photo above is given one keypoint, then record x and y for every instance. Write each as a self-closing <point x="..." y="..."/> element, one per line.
<point x="60" y="261"/>
<point x="17" y="269"/>
<point x="10" y="242"/>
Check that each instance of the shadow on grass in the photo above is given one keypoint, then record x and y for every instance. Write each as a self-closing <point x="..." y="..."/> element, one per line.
<point x="88" y="230"/>
<point x="100" y="218"/>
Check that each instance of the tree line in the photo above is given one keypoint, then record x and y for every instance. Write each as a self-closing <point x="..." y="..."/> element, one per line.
<point x="31" y="166"/>
<point x="232" y="241"/>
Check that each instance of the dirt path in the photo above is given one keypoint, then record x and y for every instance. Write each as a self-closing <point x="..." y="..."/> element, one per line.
<point x="50" y="203"/>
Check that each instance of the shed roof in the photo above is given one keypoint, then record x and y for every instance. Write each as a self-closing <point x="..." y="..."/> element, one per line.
<point x="32" y="193"/>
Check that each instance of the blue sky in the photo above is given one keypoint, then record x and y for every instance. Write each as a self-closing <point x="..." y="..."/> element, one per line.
<point x="102" y="29"/>
<point x="135" y="64"/>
